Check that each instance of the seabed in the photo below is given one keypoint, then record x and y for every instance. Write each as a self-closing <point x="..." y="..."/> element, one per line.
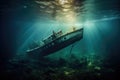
<point x="85" y="68"/>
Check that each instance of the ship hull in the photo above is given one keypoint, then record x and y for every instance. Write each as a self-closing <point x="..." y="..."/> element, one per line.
<point x="58" y="44"/>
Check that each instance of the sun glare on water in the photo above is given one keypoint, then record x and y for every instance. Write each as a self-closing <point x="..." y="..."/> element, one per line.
<point x="62" y="2"/>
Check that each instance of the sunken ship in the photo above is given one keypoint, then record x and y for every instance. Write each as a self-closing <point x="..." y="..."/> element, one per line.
<point x="56" y="41"/>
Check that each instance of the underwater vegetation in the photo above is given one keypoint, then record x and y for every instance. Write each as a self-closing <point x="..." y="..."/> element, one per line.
<point x="88" y="67"/>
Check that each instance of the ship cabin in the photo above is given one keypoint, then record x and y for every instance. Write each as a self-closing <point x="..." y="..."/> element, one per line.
<point x="53" y="37"/>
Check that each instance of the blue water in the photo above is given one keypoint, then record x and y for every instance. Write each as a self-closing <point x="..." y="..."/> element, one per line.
<point x="26" y="22"/>
<point x="91" y="15"/>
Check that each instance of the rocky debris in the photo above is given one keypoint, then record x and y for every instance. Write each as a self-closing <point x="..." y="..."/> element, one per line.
<point x="83" y="69"/>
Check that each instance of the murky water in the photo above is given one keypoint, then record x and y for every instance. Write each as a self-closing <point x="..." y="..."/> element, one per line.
<point x="96" y="56"/>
